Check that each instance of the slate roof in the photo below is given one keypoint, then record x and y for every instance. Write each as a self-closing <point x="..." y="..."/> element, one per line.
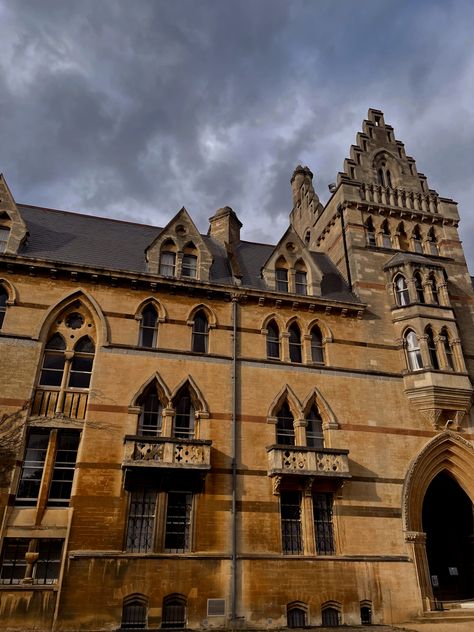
<point x="404" y="257"/>
<point x="73" y="238"/>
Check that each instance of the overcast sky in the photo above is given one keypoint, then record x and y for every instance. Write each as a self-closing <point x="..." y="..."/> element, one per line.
<point x="132" y="109"/>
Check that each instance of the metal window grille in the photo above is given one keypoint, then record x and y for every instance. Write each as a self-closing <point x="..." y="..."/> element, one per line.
<point x="291" y="535"/>
<point x="33" y="465"/>
<point x="200" y="333"/>
<point x="178" y="522"/>
<point x="141" y="521"/>
<point x="281" y="279"/>
<point x="174" y="612"/>
<point x="150" y="420"/>
<point x="331" y="617"/>
<point x="295" y="344"/>
<point x="189" y="266"/>
<point x="134" y="614"/>
<point x="168" y="264"/>
<point x="216" y="607"/>
<point x="64" y="467"/>
<point x="13" y="563"/>
<point x="323" y="523"/>
<point x="273" y="341"/>
<point x="296" y="618"/>
<point x="49" y="561"/>
<point x="148" y="326"/>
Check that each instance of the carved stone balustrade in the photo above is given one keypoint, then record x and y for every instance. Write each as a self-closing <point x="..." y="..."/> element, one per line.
<point x="167" y="452"/>
<point x="387" y="196"/>
<point x="51" y="402"/>
<point x="303" y="461"/>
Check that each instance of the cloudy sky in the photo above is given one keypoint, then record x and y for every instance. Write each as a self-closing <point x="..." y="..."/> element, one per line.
<point x="132" y="109"/>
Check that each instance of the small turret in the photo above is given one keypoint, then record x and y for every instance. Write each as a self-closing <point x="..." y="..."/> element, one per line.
<point x="306" y="204"/>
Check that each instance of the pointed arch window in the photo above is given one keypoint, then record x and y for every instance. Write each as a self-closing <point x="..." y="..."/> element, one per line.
<point x="168" y="259"/>
<point x="4" y="235"/>
<point x="386" y="237"/>
<point x="3" y="304"/>
<point x="434" y="289"/>
<point x="295" y="343"/>
<point x="448" y="349"/>
<point x="281" y="276"/>
<point x="174" y="612"/>
<point x="433" y="243"/>
<point x="415" y="362"/>
<point x="200" y="334"/>
<point x="317" y="346"/>
<point x="314" y="429"/>
<point x="184" y="419"/>
<point x="285" y="429"/>
<point x="420" y="293"/>
<point x="417" y="243"/>
<point x="301" y="279"/>
<point x="273" y="341"/>
<point x="134" y="613"/>
<point x="388" y="179"/>
<point x="296" y="616"/>
<point x="82" y="362"/>
<point x="370" y="231"/>
<point x="54" y="360"/>
<point x="189" y="262"/>
<point x="432" y="348"/>
<point x="402" y="237"/>
<point x="401" y="291"/>
<point x="150" y="420"/>
<point x="331" y="617"/>
<point x="148" y="327"/>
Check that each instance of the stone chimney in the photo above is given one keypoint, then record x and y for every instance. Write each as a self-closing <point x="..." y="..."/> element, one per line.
<point x="225" y="226"/>
<point x="306" y="204"/>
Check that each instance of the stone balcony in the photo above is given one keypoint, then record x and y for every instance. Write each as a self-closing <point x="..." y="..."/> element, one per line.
<point x="50" y="402"/>
<point x="303" y="461"/>
<point x="167" y="452"/>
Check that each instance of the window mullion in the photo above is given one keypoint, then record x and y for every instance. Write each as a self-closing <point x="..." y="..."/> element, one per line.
<point x="64" y="382"/>
<point x="309" y="534"/>
<point x="47" y="476"/>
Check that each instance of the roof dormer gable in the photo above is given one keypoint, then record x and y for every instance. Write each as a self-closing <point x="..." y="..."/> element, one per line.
<point x="179" y="250"/>
<point x="291" y="267"/>
<point x="13" y="230"/>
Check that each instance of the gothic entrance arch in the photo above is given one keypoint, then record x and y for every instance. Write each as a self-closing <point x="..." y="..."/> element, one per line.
<point x="438" y="518"/>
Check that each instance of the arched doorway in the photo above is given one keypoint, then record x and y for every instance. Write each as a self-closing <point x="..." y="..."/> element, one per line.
<point x="447" y="519"/>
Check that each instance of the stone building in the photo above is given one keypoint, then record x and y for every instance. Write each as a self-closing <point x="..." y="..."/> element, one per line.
<point x="200" y="431"/>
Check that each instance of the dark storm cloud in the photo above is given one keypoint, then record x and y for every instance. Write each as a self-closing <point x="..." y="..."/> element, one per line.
<point x="133" y="109"/>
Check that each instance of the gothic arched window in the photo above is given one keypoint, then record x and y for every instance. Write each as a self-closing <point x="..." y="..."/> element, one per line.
<point x="434" y="289"/>
<point x="151" y="419"/>
<point x="273" y="341"/>
<point x="295" y="343"/>
<point x="148" y="327"/>
<point x="285" y="430"/>
<point x="81" y="365"/>
<point x="200" y="334"/>
<point x="53" y="361"/>
<point x="317" y="346"/>
<point x="432" y="348"/>
<point x="448" y="349"/>
<point x="168" y="259"/>
<point x="296" y="616"/>
<point x="370" y="231"/>
<point x="301" y="279"/>
<point x="386" y="237"/>
<point x="417" y="243"/>
<point x="184" y="418"/>
<point x="314" y="429"/>
<point x="134" y="613"/>
<point x="401" y="291"/>
<point x="189" y="262"/>
<point x="415" y="362"/>
<point x="174" y="612"/>
<point x="420" y="294"/>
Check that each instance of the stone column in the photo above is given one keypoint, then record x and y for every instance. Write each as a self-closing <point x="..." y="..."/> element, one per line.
<point x="425" y="354"/>
<point x="167" y="423"/>
<point x="441" y="352"/>
<point x="300" y="431"/>
<point x="285" y="347"/>
<point x="459" y="361"/>
<point x="416" y="541"/>
<point x="309" y="535"/>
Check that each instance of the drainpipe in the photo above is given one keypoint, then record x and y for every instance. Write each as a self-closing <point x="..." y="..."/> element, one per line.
<point x="346" y="256"/>
<point x="234" y="461"/>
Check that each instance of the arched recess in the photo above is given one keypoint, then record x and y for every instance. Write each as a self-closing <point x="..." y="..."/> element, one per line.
<point x="11" y="291"/>
<point x="270" y="317"/>
<point x="160" y="308"/>
<point x="89" y="303"/>
<point x="163" y="391"/>
<point x="288" y="395"/>
<point x="326" y="412"/>
<point x="446" y="453"/>
<point x="211" y="316"/>
<point x="323" y="328"/>
<point x="199" y="403"/>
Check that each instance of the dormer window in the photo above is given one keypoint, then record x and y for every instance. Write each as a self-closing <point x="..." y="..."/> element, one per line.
<point x="4" y="234"/>
<point x="168" y="259"/>
<point x="281" y="276"/>
<point x="301" y="281"/>
<point x="189" y="262"/>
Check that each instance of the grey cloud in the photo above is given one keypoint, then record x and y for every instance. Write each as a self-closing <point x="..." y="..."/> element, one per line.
<point x="135" y="109"/>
